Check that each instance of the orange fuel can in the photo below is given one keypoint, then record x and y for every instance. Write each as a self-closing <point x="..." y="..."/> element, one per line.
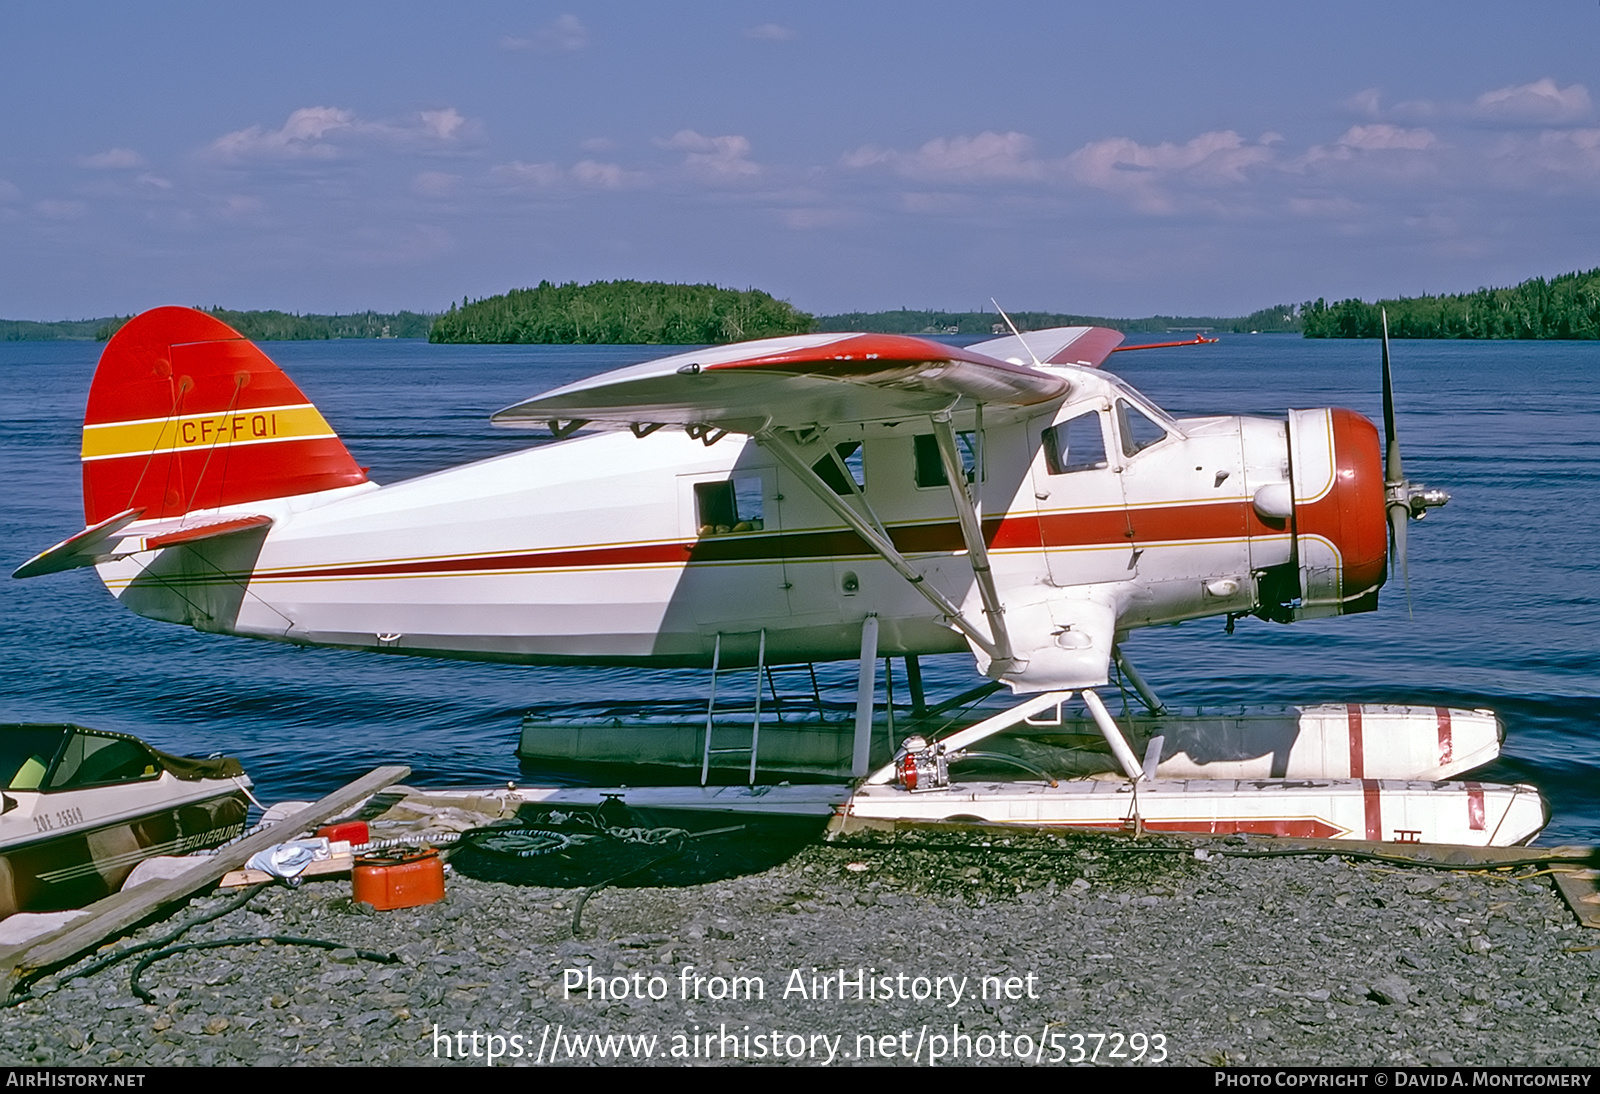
<point x="398" y="879"/>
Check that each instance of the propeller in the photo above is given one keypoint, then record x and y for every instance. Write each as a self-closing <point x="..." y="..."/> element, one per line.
<point x="1404" y="500"/>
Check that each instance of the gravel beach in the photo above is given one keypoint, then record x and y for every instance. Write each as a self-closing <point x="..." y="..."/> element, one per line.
<point x="944" y="949"/>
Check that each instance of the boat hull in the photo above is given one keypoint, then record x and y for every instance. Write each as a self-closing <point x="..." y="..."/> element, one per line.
<point x="75" y="866"/>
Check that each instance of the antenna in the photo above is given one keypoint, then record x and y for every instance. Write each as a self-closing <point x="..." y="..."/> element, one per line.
<point x="1016" y="332"/>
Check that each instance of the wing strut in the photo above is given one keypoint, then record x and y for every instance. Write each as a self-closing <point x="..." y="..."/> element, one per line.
<point x="877" y="537"/>
<point x="972" y="534"/>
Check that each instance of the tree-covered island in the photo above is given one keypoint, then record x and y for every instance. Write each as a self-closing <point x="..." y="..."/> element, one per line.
<point x="621" y="312"/>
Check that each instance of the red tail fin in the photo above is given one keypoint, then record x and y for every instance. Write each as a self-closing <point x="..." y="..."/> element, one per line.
<point x="185" y="414"/>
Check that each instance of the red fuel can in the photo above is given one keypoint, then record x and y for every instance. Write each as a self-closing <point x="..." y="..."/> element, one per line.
<point x="398" y="879"/>
<point x="352" y="832"/>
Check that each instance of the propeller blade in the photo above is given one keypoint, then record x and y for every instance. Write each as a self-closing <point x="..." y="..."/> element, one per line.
<point x="1399" y="516"/>
<point x="1391" y="458"/>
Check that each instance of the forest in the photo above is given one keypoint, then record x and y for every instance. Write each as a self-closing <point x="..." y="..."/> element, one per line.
<point x="621" y="312"/>
<point x="1563" y="307"/>
<point x="1279" y="317"/>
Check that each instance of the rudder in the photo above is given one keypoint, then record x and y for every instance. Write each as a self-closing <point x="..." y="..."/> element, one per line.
<point x="187" y="414"/>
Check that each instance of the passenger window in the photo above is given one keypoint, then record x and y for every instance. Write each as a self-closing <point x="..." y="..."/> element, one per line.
<point x="930" y="468"/>
<point x="1076" y="444"/>
<point x="733" y="505"/>
<point x="828" y="471"/>
<point x="1137" y="430"/>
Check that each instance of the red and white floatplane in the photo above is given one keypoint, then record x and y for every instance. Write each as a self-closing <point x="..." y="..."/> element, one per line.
<point x="813" y="498"/>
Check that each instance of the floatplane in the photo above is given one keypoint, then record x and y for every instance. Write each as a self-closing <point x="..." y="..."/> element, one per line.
<point x="813" y="498"/>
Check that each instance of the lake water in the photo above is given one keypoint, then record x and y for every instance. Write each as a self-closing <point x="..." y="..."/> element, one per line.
<point x="1505" y="580"/>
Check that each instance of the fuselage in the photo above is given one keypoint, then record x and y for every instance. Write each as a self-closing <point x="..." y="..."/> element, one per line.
<point x="612" y="548"/>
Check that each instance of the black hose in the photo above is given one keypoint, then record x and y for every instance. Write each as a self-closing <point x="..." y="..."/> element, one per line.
<point x="282" y="940"/>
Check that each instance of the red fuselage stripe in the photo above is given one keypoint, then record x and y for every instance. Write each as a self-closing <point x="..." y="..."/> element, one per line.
<point x="1105" y="528"/>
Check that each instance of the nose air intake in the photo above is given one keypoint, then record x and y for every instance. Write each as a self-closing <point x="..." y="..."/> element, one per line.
<point x="1340" y="540"/>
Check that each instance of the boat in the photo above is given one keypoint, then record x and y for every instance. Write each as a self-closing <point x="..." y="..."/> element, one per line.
<point x="80" y="808"/>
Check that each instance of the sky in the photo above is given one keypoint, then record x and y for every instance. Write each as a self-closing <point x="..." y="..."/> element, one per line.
<point x="1119" y="160"/>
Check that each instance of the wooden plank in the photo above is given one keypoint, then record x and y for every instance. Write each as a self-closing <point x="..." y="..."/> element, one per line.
<point x="1581" y="888"/>
<point x="119" y="911"/>
<point x="334" y="864"/>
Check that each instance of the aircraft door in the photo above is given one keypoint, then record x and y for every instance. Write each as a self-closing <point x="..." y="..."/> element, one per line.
<point x="1083" y="521"/>
<point x="1187" y="504"/>
<point x="735" y="573"/>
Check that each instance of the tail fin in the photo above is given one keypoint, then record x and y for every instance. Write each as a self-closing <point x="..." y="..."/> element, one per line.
<point x="186" y="414"/>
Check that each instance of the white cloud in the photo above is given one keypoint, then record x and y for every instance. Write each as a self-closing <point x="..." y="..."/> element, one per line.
<point x="1373" y="138"/>
<point x="724" y="157"/>
<point x="147" y="179"/>
<point x="326" y="132"/>
<point x="605" y="176"/>
<point x="566" y="34"/>
<point x="1153" y="176"/>
<point x="771" y="32"/>
<point x="1365" y="102"/>
<point x="113" y="159"/>
<point x="443" y="125"/>
<point x="9" y="191"/>
<point x="988" y="156"/>
<point x="1538" y="103"/>
<point x="517" y="173"/>
<point x="587" y="173"/>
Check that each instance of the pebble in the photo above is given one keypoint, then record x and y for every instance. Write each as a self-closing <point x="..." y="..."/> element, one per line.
<point x="1048" y="949"/>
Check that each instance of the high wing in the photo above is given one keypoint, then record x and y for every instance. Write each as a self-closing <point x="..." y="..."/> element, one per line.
<point x="1085" y="346"/>
<point x="779" y="386"/>
<point x="791" y="383"/>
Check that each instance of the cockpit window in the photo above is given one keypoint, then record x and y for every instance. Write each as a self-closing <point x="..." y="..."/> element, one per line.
<point x="1137" y="429"/>
<point x="1075" y="445"/>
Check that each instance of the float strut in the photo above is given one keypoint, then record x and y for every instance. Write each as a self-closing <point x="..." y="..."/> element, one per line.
<point x="1113" y="735"/>
<point x="1155" y="705"/>
<point x="867" y="683"/>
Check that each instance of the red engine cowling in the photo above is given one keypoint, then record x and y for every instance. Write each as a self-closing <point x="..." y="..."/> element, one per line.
<point x="1341" y="532"/>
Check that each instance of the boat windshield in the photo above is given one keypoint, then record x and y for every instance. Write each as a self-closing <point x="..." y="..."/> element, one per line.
<point x="91" y="760"/>
<point x="25" y="754"/>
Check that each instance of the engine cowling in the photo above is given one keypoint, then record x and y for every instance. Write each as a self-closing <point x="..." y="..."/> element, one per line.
<point x="1340" y="530"/>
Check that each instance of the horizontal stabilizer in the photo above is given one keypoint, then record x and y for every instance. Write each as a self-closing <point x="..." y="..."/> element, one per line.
<point x="88" y="547"/>
<point x="790" y="383"/>
<point x="113" y="538"/>
<point x="194" y="533"/>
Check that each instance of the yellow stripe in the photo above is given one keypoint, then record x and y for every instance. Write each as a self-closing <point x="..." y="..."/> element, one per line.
<point x="198" y="431"/>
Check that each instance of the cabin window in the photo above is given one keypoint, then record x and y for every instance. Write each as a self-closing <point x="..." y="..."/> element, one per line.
<point x="1076" y="444"/>
<point x="930" y="468"/>
<point x="828" y="471"/>
<point x="90" y="760"/>
<point x="1137" y="429"/>
<point x="732" y="505"/>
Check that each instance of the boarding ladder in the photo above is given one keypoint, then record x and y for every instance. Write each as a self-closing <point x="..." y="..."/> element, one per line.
<point x="717" y="671"/>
